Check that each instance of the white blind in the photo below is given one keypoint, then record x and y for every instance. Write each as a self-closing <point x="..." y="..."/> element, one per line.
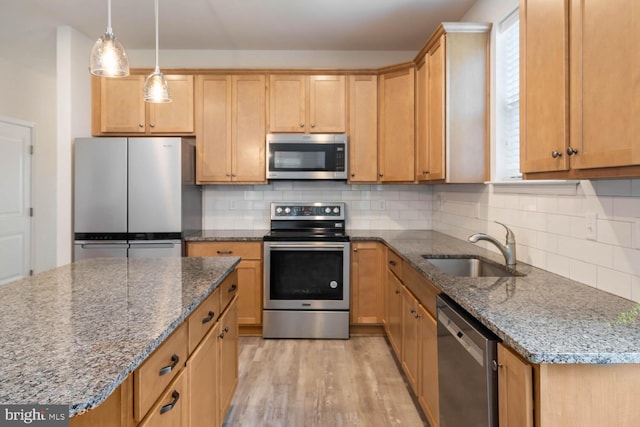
<point x="508" y="145"/>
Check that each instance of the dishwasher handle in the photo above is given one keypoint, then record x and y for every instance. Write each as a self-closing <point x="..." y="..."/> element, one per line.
<point x="466" y="342"/>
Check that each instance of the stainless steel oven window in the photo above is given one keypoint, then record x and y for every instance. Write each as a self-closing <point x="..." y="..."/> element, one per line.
<point x="306" y="275"/>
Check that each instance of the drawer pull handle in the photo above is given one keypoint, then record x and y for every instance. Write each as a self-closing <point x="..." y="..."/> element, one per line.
<point x="397" y="292"/>
<point x="226" y="329"/>
<point x="224" y="332"/>
<point x="393" y="263"/>
<point x="225" y="252"/>
<point x="233" y="288"/>
<point x="166" y="408"/>
<point x="209" y="318"/>
<point x="174" y="361"/>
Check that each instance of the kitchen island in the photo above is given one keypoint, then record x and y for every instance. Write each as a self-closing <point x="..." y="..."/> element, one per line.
<point x="73" y="334"/>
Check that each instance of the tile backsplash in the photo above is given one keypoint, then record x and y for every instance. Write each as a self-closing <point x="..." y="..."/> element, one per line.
<point x="591" y="236"/>
<point x="552" y="228"/>
<point x="367" y="206"/>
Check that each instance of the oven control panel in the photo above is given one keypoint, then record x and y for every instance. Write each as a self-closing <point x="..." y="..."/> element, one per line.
<point x="292" y="210"/>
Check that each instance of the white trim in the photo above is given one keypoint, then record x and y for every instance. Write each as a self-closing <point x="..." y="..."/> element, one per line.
<point x="546" y="187"/>
<point x="18" y="122"/>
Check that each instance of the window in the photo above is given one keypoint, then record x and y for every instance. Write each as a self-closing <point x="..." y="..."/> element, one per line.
<point x="508" y="99"/>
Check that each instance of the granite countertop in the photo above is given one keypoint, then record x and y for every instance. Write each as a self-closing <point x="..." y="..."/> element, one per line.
<point x="71" y="335"/>
<point x="226" y="236"/>
<point x="545" y="317"/>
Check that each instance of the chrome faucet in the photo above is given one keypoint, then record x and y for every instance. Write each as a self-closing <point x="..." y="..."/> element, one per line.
<point x="508" y="250"/>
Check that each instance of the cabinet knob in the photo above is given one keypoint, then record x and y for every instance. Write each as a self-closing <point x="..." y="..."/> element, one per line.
<point x="313" y="125"/>
<point x="425" y="172"/>
<point x="555" y="154"/>
<point x="301" y="125"/>
<point x="355" y="249"/>
<point x="380" y="175"/>
<point x="152" y="125"/>
<point x="571" y="151"/>
<point x="352" y="175"/>
<point x="140" y="125"/>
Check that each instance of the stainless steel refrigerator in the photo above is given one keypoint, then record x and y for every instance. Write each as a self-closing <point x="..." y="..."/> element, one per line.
<point x="134" y="197"/>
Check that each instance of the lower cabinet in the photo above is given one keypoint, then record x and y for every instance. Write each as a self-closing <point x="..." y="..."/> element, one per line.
<point x="367" y="279"/>
<point x="393" y="314"/>
<point x="249" y="274"/>
<point x="203" y="366"/>
<point x="515" y="389"/>
<point x="172" y="409"/>
<point x="228" y="358"/>
<point x="428" y="380"/>
<point x="410" y="338"/>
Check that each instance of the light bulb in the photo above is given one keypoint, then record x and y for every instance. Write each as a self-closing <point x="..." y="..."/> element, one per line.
<point x="156" y="88"/>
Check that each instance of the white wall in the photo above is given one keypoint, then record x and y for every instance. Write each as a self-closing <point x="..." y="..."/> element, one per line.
<point x="30" y="95"/>
<point x="551" y="229"/>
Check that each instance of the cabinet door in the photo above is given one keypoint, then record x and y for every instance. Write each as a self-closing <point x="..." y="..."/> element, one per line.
<point x="422" y="121"/>
<point x="250" y="292"/>
<point x="327" y="104"/>
<point x="367" y="275"/>
<point x="248" y="128"/>
<point x="436" y="98"/>
<point x="394" y="312"/>
<point x="515" y="390"/>
<point x="121" y="106"/>
<point x="175" y="116"/>
<point x="287" y="98"/>
<point x="396" y="150"/>
<point x="410" y="338"/>
<point x="428" y="380"/>
<point x="363" y="129"/>
<point x="228" y="357"/>
<point x="605" y="120"/>
<point x="203" y="382"/>
<point x="544" y="90"/>
<point x="213" y="141"/>
<point x="171" y="410"/>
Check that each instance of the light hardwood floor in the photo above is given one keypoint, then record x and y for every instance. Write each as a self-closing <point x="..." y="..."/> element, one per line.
<point x="321" y="383"/>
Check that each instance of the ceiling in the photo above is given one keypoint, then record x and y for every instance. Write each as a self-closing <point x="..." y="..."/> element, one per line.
<point x="369" y="25"/>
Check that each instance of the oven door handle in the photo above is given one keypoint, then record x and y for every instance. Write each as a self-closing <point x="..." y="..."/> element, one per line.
<point x="313" y="246"/>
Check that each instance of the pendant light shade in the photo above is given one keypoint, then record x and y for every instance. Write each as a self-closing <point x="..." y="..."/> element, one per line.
<point x="108" y="57"/>
<point x="156" y="88"/>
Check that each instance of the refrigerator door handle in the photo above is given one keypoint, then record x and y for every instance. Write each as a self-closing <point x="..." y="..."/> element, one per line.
<point x="104" y="245"/>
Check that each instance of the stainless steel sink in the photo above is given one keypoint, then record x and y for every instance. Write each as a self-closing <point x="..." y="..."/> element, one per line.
<point x="470" y="267"/>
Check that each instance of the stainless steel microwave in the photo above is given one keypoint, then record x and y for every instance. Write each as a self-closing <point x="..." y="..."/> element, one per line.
<point x="307" y="156"/>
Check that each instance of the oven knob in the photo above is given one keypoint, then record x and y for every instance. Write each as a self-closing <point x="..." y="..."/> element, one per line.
<point x="327" y="210"/>
<point x="279" y="210"/>
<point x="336" y="210"/>
<point x="287" y="210"/>
<point x="333" y="284"/>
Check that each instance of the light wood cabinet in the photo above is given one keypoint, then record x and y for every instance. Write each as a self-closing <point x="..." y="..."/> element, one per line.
<point x="544" y="86"/>
<point x="452" y="94"/>
<point x="172" y="409"/>
<point x="118" y="107"/>
<point x="363" y="129"/>
<point x="231" y="128"/>
<point x="579" y="113"/>
<point x="515" y="389"/>
<point x="410" y="338"/>
<point x="228" y="357"/>
<point x="396" y="155"/>
<point x="309" y="104"/>
<point x="367" y="283"/>
<point x="249" y="281"/>
<point x="428" y="394"/>
<point x="203" y="381"/>
<point x="393" y="314"/>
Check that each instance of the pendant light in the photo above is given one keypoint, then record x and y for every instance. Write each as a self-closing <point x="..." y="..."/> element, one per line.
<point x="156" y="88"/>
<point x="108" y="58"/>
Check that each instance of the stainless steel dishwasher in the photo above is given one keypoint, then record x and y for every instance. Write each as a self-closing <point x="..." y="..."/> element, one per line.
<point x="467" y="375"/>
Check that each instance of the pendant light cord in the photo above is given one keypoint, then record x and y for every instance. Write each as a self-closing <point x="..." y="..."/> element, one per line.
<point x="109" y="30"/>
<point x="157" y="70"/>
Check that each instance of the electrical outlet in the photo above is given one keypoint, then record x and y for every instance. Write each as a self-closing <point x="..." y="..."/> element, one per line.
<point x="591" y="225"/>
<point x="233" y="205"/>
<point x="378" y="205"/>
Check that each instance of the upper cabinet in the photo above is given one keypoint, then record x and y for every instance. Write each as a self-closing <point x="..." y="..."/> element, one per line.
<point x="231" y="128"/>
<point x="363" y="128"/>
<point x="580" y="107"/>
<point x="118" y="107"/>
<point x="396" y="124"/>
<point x="309" y="104"/>
<point x="452" y="95"/>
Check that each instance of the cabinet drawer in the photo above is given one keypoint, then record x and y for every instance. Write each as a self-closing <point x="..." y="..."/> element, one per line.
<point x="228" y="289"/>
<point x="245" y="250"/>
<point x="171" y="408"/>
<point x="153" y="376"/>
<point x="394" y="262"/>
<point x="421" y="287"/>
<point x="203" y="318"/>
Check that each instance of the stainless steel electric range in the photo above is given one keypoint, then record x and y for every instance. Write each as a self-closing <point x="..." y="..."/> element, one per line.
<point x="306" y="272"/>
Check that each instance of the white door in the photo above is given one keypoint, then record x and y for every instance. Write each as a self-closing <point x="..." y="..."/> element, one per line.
<point x="15" y="201"/>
